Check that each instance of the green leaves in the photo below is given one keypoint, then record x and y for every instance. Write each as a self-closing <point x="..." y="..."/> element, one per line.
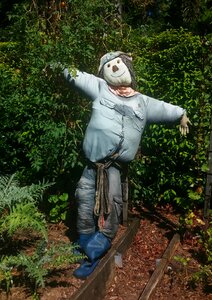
<point x="59" y="207"/>
<point x="37" y="266"/>
<point x="11" y="193"/>
<point x="23" y="217"/>
<point x="172" y="66"/>
<point x="19" y="213"/>
<point x="18" y="207"/>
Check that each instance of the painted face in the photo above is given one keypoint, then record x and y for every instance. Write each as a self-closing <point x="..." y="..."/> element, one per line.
<point x="116" y="73"/>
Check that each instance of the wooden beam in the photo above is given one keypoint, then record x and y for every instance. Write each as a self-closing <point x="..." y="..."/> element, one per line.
<point x="159" y="271"/>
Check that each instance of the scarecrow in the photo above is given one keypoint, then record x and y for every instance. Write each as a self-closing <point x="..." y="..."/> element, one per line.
<point x="119" y="115"/>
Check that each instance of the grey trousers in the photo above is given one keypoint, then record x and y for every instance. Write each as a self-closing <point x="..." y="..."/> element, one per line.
<point x="85" y="195"/>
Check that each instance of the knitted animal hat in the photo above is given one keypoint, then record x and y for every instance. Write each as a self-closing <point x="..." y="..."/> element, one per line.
<point x="110" y="56"/>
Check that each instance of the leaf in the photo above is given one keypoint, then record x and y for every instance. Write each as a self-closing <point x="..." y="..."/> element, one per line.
<point x="205" y="168"/>
<point x="194" y="195"/>
<point x="201" y="222"/>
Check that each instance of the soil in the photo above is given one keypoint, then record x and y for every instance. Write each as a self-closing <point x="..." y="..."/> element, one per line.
<point x="156" y="230"/>
<point x="138" y="264"/>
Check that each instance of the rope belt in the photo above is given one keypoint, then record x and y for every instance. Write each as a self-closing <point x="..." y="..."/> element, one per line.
<point x="102" y="202"/>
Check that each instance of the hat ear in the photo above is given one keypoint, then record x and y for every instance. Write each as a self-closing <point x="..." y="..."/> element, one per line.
<point x="128" y="56"/>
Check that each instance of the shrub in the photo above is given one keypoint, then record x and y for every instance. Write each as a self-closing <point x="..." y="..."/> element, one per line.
<point x="172" y="66"/>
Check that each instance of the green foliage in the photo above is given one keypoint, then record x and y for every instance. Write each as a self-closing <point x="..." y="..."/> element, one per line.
<point x="59" y="210"/>
<point x="172" y="66"/>
<point x="206" y="240"/>
<point x="12" y="193"/>
<point x="22" y="217"/>
<point x="194" y="225"/>
<point x="19" y="214"/>
<point x="204" y="275"/>
<point x="18" y="207"/>
<point x="43" y="136"/>
<point x="38" y="266"/>
<point x="183" y="260"/>
<point x="159" y="15"/>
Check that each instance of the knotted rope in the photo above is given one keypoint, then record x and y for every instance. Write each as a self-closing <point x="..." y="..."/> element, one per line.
<point x="102" y="203"/>
<point x="102" y="206"/>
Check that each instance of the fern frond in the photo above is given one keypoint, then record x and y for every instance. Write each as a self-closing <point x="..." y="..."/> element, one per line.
<point x="33" y="269"/>
<point x="37" y="190"/>
<point x="37" y="266"/>
<point x="8" y="181"/>
<point x="11" y="192"/>
<point x="24" y="216"/>
<point x="29" y="266"/>
<point x="64" y="254"/>
<point x="6" y="273"/>
<point x="6" y="184"/>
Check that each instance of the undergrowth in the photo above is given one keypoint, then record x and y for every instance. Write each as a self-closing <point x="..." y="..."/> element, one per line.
<point x="20" y="218"/>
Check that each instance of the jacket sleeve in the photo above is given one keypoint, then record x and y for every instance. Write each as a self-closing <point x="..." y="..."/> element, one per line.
<point x="86" y="83"/>
<point x="162" y="112"/>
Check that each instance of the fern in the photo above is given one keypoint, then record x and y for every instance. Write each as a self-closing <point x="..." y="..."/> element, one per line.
<point x="18" y="206"/>
<point x="64" y="254"/>
<point x="33" y="269"/>
<point x="11" y="192"/>
<point x="38" y="266"/>
<point x="23" y="216"/>
<point x="18" y="211"/>
<point x="6" y="272"/>
<point x="28" y="266"/>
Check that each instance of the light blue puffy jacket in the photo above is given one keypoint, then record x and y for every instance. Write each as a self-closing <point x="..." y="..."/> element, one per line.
<point x="117" y="123"/>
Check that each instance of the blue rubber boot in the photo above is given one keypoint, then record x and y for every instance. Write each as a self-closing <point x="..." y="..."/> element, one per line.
<point x="81" y="242"/>
<point x="85" y="269"/>
<point x="84" y="238"/>
<point x="95" y="248"/>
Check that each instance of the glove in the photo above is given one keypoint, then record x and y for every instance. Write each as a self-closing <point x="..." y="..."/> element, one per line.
<point x="70" y="73"/>
<point x="184" y="129"/>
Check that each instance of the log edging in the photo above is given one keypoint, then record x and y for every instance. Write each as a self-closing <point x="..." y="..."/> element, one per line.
<point x="94" y="287"/>
<point x="159" y="271"/>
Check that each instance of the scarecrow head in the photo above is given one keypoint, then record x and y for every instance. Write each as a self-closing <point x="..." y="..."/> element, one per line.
<point x="116" y="68"/>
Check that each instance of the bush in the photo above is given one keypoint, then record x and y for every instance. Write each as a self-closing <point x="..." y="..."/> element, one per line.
<point x="173" y="67"/>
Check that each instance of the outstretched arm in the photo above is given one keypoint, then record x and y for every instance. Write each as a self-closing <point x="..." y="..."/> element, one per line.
<point x="162" y="112"/>
<point x="87" y="83"/>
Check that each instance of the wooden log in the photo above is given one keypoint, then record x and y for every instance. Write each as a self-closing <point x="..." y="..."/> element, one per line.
<point x="96" y="284"/>
<point x="159" y="271"/>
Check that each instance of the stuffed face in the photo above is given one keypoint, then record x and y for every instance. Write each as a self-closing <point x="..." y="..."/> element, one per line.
<point x="116" y="73"/>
